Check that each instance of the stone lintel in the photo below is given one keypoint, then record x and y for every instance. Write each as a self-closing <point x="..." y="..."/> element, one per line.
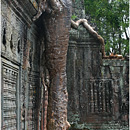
<point x="25" y="9"/>
<point x="115" y="62"/>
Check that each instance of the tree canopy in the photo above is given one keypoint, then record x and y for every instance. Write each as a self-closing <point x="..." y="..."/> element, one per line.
<point x="112" y="20"/>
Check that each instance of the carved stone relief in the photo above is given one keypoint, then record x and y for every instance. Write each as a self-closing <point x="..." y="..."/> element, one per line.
<point x="9" y="94"/>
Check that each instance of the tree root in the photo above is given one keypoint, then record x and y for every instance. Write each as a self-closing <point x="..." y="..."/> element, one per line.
<point x="45" y="102"/>
<point x="91" y="31"/>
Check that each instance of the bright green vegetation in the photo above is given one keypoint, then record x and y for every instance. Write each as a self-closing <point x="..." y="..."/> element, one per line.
<point x="112" y="20"/>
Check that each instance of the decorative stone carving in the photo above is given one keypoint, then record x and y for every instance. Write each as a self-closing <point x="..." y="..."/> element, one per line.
<point x="9" y="87"/>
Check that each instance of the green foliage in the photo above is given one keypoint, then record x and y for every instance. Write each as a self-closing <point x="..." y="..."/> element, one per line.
<point x="112" y="20"/>
<point x="73" y="17"/>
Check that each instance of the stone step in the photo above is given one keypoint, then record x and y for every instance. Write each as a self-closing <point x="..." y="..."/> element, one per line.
<point x="107" y="126"/>
<point x="103" y="126"/>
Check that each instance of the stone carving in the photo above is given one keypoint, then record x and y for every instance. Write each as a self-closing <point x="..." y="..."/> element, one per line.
<point x="10" y="77"/>
<point x="34" y="100"/>
<point x="99" y="95"/>
<point x="116" y="99"/>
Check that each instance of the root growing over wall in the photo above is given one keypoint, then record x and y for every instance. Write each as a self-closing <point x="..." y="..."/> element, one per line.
<point x="91" y="31"/>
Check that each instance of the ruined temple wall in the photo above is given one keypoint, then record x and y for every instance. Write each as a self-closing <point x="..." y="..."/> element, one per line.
<point x="31" y="79"/>
<point x="118" y="71"/>
<point x="83" y="67"/>
<point x="20" y="65"/>
<point x="97" y="88"/>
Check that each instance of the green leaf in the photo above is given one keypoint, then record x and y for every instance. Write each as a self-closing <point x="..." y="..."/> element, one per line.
<point x="111" y="19"/>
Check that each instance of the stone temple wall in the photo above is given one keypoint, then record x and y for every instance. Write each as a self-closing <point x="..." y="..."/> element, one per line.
<point x="97" y="88"/>
<point x="83" y="65"/>
<point x="85" y="84"/>
<point x="21" y="83"/>
<point x="118" y="71"/>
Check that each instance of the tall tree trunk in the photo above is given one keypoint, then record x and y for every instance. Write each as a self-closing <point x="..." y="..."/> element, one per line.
<point x="57" y="20"/>
<point x="57" y="36"/>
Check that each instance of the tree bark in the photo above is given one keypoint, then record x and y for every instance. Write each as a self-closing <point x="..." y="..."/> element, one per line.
<point x="57" y="37"/>
<point x="57" y="26"/>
